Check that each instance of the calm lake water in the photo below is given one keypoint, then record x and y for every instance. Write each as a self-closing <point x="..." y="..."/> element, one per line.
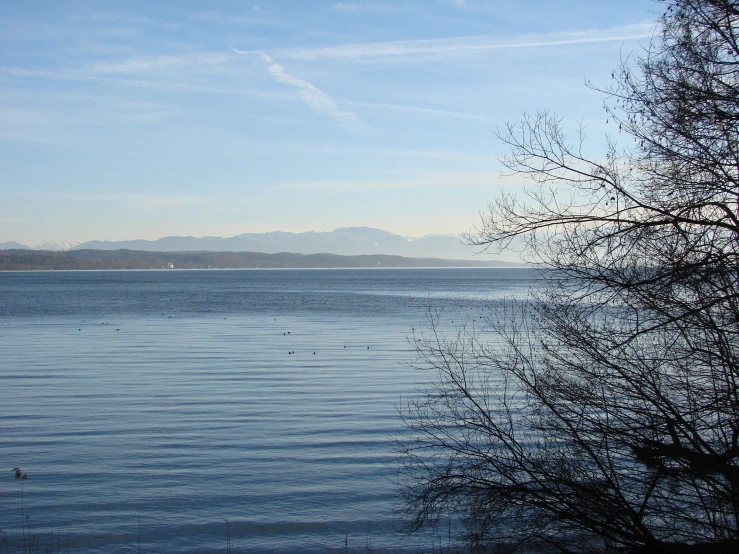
<point x="180" y="399"/>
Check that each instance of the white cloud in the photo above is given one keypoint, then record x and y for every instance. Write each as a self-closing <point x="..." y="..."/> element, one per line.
<point x="460" y="45"/>
<point x="318" y="100"/>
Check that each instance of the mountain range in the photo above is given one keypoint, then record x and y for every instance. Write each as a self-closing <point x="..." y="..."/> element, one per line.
<point x="52" y="246"/>
<point x="347" y="241"/>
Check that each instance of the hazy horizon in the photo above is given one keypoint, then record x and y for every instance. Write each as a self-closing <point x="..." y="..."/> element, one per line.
<point x="346" y="241"/>
<point x="51" y="240"/>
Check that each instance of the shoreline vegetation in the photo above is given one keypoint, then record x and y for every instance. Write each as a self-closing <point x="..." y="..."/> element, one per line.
<point x="25" y="260"/>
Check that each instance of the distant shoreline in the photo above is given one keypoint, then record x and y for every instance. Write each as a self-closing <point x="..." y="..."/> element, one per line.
<point x="106" y="260"/>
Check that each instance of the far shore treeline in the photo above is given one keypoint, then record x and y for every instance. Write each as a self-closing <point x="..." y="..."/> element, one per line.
<point x="134" y="259"/>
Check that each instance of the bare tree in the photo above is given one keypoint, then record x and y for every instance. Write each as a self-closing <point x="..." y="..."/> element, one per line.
<point x="604" y="411"/>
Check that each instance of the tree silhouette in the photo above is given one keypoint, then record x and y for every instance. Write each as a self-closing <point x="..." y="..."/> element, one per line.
<point x="604" y="411"/>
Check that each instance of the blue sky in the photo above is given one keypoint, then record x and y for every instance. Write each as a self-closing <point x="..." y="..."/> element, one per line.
<point x="123" y="120"/>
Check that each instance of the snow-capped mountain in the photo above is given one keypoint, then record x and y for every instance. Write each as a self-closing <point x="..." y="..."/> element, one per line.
<point x="53" y="245"/>
<point x="56" y="246"/>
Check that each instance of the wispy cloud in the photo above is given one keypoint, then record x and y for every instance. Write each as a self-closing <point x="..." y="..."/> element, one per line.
<point x="174" y="85"/>
<point x="107" y="77"/>
<point x="451" y="46"/>
<point x="254" y="16"/>
<point x="145" y="201"/>
<point x="153" y="63"/>
<point x="318" y="100"/>
<point x="418" y="109"/>
<point x="438" y="179"/>
<point x="21" y="125"/>
<point x="23" y="72"/>
<point x="346" y="6"/>
<point x="4" y="220"/>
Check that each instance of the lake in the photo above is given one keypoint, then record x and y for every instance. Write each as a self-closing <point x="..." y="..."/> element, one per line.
<point x="150" y="408"/>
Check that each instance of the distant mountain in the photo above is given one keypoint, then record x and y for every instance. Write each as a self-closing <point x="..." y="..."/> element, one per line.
<point x="12" y="245"/>
<point x="347" y="241"/>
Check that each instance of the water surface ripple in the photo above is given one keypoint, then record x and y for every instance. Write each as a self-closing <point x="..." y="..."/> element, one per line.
<point x="183" y="398"/>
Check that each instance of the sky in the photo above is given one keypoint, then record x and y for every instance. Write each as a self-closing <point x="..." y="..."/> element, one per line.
<point x="127" y="120"/>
